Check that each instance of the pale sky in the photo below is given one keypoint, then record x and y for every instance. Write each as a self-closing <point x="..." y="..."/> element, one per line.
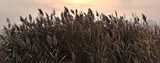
<point x="12" y="9"/>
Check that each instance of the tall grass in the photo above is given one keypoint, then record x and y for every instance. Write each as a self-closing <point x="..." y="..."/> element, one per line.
<point x="80" y="38"/>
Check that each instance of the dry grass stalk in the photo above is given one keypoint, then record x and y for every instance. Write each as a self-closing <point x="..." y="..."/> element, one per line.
<point x="79" y="38"/>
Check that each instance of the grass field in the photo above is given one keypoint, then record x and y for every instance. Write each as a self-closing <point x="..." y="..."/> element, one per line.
<point x="77" y="37"/>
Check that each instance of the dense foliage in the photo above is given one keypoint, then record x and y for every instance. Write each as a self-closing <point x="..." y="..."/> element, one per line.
<point x="80" y="38"/>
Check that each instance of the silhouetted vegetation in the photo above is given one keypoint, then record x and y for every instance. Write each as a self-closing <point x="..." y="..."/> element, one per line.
<point x="80" y="38"/>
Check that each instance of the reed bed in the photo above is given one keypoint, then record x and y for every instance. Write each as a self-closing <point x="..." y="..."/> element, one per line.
<point x="77" y="37"/>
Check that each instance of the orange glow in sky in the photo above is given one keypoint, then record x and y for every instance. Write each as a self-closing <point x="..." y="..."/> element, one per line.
<point x="14" y="8"/>
<point x="77" y="1"/>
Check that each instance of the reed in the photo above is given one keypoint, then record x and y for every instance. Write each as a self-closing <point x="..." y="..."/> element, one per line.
<point x="80" y="38"/>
